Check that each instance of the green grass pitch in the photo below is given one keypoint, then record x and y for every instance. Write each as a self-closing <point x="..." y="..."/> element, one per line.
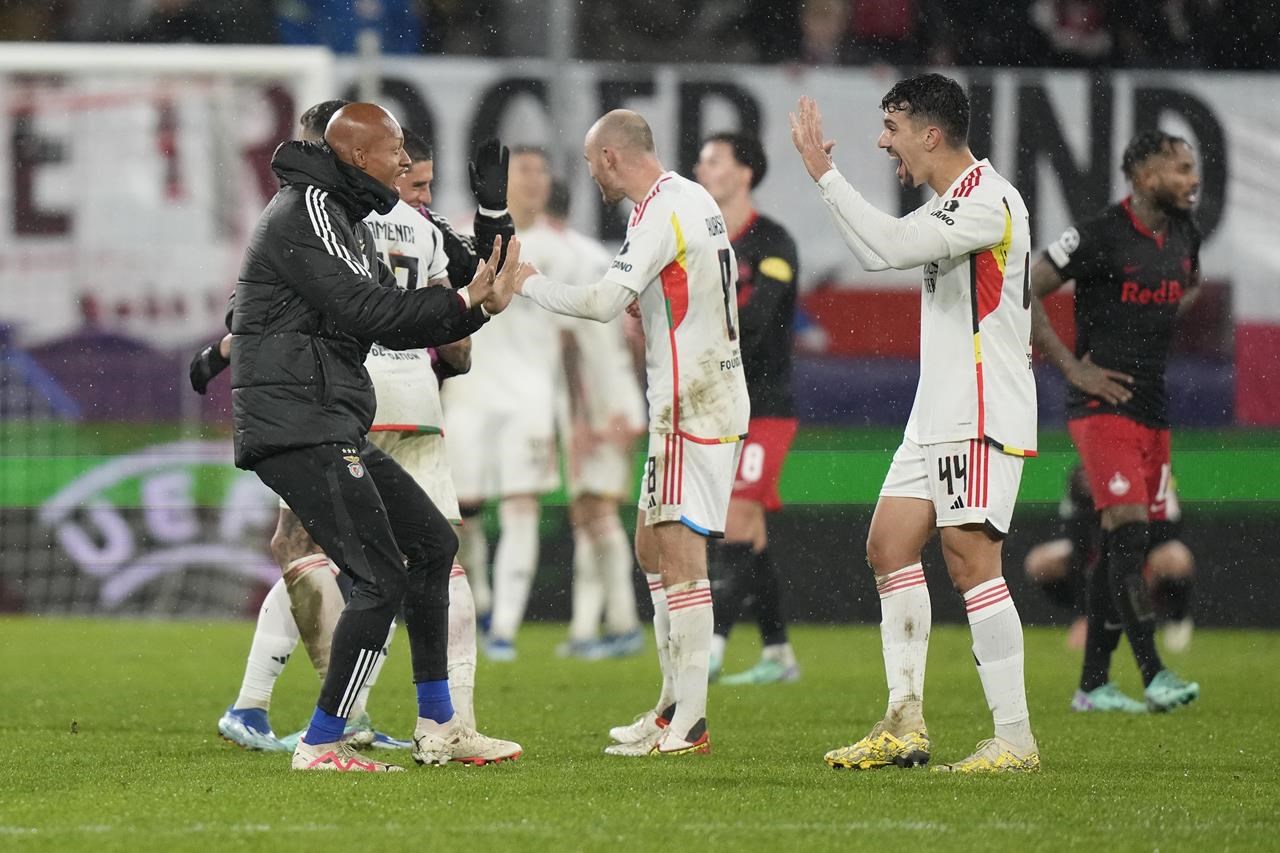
<point x="142" y="768"/>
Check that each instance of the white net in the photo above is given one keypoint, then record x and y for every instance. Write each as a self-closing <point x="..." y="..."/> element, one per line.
<point x="132" y="178"/>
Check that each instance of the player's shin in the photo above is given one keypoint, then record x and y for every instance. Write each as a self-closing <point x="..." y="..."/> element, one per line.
<point x="613" y="548"/>
<point x="473" y="552"/>
<point x="514" y="562"/>
<point x="1126" y="554"/>
<point x="689" y="605"/>
<point x="1104" y="627"/>
<point x="662" y="638"/>
<point x="588" y="588"/>
<point x="998" y="650"/>
<point x="906" y="618"/>
<point x="274" y="638"/>
<point x="357" y="644"/>
<point x="462" y="646"/>
<point x="316" y="602"/>
<point x="361" y="705"/>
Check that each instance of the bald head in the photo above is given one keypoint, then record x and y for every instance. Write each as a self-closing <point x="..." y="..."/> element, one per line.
<point x="620" y="155"/>
<point x="368" y="137"/>
<point x="621" y="130"/>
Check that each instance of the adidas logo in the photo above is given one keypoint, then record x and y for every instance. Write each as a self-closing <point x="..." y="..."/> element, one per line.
<point x="959" y="502"/>
<point x="280" y="659"/>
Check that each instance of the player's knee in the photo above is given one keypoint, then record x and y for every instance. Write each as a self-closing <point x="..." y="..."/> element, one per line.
<point x="1171" y="561"/>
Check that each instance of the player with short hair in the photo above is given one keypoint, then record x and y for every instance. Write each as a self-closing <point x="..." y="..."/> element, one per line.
<point x="598" y="418"/>
<point x="974" y="417"/>
<point x="731" y="166"/>
<point x="502" y="419"/>
<point x="1136" y="266"/>
<point x="677" y="266"/>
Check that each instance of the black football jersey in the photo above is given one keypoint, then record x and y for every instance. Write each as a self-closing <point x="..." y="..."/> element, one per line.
<point x="768" y="269"/>
<point x="1129" y="283"/>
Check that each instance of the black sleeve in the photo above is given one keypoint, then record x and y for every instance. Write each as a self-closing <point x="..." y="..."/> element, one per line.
<point x="464" y="253"/>
<point x="773" y="284"/>
<point x="1081" y="252"/>
<point x="231" y="307"/>
<point x="334" y="282"/>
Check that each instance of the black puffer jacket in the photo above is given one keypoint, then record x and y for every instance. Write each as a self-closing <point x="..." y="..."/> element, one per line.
<point x="312" y="296"/>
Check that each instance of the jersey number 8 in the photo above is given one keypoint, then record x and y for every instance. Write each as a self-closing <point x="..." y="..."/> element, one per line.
<point x="726" y="280"/>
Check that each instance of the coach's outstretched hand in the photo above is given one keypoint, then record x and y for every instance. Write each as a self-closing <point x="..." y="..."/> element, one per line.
<point x="489" y="175"/>
<point x="494" y="287"/>
<point x="806" y="135"/>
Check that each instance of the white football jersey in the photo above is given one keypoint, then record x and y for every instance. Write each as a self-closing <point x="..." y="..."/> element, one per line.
<point x="515" y="361"/>
<point x="678" y="261"/>
<point x="404" y="381"/>
<point x="975" y="319"/>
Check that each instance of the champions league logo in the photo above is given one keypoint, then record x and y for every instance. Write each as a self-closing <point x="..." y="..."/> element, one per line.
<point x="134" y="518"/>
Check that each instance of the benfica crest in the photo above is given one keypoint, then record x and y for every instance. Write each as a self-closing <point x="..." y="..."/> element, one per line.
<point x="355" y="466"/>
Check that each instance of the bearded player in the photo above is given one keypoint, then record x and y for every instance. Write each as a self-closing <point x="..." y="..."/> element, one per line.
<point x="1136" y="266"/>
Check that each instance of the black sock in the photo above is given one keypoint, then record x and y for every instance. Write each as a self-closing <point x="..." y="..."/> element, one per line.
<point x="1175" y="594"/>
<point x="1104" y="627"/>
<point x="730" y="570"/>
<point x="768" y="593"/>
<point x="1126" y="554"/>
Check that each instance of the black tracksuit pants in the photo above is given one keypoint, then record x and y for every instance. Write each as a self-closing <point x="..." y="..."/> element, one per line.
<point x="379" y="526"/>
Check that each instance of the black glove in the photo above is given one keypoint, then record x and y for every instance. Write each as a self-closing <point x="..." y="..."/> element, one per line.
<point x="489" y="175"/>
<point x="207" y="364"/>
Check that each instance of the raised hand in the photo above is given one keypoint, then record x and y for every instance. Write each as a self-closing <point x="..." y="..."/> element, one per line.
<point x="806" y="135"/>
<point x="504" y="284"/>
<point x="489" y="175"/>
<point x="1111" y="386"/>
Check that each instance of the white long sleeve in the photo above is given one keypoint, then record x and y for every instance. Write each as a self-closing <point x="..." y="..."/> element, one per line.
<point x="878" y="240"/>
<point x="601" y="301"/>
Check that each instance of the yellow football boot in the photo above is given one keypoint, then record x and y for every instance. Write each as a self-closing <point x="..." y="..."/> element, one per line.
<point x="880" y="749"/>
<point x="996" y="755"/>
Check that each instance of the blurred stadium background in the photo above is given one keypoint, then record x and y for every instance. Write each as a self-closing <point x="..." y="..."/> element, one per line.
<point x="132" y="171"/>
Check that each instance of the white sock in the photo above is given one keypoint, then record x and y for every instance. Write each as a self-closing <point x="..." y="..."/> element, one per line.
<point x="718" y="644"/>
<point x="514" y="562"/>
<point x="588" y="587"/>
<point x="692" y="624"/>
<point x="997" y="646"/>
<point x="473" y="552"/>
<point x="462" y="646"/>
<point x="662" y="637"/>
<point x="779" y="652"/>
<point x="361" y="705"/>
<point x="274" y="638"/>
<point x="906" y="617"/>
<point x="316" y="603"/>
<point x="613" y="550"/>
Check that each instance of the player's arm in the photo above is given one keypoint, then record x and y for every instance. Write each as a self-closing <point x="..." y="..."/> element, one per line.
<point x="1065" y="259"/>
<point x="336" y="286"/>
<point x="650" y="246"/>
<point x="601" y="301"/>
<point x="452" y="359"/>
<point x="774" y="281"/>
<point x="1193" y="283"/>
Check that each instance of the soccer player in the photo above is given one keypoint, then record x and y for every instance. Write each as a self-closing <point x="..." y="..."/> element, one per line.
<point x="1061" y="566"/>
<point x="599" y="413"/>
<point x="974" y="417"/>
<point x="730" y="166"/>
<point x="502" y="422"/>
<point x="1136" y="266"/>
<point x="677" y="265"/>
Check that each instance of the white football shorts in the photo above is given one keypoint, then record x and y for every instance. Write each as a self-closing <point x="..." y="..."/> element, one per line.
<point x="688" y="482"/>
<point x="424" y="456"/>
<point x="495" y="454"/>
<point x="968" y="482"/>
